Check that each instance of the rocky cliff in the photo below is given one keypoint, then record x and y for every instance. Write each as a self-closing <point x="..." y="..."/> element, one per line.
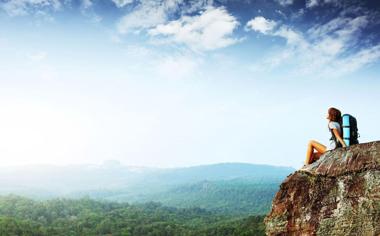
<point x="337" y="195"/>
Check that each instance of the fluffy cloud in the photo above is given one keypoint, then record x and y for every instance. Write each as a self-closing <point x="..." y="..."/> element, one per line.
<point x="268" y="27"/>
<point x="211" y="29"/>
<point x="150" y="13"/>
<point x="260" y="24"/>
<point x="285" y="2"/>
<point x="26" y="7"/>
<point x="122" y="3"/>
<point x="315" y="3"/>
<point x="312" y="3"/>
<point x="330" y="49"/>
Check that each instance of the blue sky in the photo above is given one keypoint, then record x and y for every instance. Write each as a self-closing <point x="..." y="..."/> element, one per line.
<point x="180" y="83"/>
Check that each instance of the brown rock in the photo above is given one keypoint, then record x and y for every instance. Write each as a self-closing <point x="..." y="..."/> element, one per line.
<point x="337" y="195"/>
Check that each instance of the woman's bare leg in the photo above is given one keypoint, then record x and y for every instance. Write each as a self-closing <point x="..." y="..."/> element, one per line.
<point x="316" y="156"/>
<point x="309" y="153"/>
<point x="320" y="148"/>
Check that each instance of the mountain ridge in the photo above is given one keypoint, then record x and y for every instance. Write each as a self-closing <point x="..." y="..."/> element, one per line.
<point x="112" y="176"/>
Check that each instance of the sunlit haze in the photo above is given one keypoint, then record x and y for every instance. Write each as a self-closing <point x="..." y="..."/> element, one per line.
<point x="182" y="83"/>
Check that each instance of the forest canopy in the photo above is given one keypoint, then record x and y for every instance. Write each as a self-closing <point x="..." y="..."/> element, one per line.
<point x="23" y="217"/>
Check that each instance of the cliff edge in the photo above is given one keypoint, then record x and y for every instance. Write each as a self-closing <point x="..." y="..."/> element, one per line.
<point x="337" y="195"/>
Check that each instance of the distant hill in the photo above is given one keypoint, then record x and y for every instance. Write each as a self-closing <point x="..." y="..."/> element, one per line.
<point x="61" y="180"/>
<point x="222" y="171"/>
<point x="234" y="197"/>
<point x="233" y="188"/>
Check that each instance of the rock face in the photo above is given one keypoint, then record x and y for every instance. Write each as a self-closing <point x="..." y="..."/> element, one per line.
<point x="337" y="195"/>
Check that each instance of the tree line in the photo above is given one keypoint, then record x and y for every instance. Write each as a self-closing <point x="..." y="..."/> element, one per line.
<point x="24" y="217"/>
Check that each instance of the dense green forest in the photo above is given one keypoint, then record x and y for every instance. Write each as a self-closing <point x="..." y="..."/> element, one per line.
<point x="235" y="197"/>
<point x="238" y="197"/>
<point x="216" y="200"/>
<point x="24" y="216"/>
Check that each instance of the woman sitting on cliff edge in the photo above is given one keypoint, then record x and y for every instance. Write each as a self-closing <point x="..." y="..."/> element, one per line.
<point x="334" y="118"/>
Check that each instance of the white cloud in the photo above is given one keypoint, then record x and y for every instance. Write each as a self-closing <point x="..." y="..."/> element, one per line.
<point x="261" y="25"/>
<point x="86" y="4"/>
<point x="150" y="13"/>
<point x="362" y="58"/>
<point x="315" y="3"/>
<point x="329" y="49"/>
<point x="210" y="30"/>
<point x="87" y="10"/>
<point x="122" y="3"/>
<point x="285" y="2"/>
<point x="291" y="36"/>
<point x="26" y="7"/>
<point x="340" y="27"/>
<point x="312" y="3"/>
<point x="268" y="27"/>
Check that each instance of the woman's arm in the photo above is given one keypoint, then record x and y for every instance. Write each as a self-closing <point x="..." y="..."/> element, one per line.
<point x="337" y="135"/>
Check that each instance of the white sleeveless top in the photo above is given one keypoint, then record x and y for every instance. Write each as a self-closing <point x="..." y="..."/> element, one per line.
<point x="334" y="125"/>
